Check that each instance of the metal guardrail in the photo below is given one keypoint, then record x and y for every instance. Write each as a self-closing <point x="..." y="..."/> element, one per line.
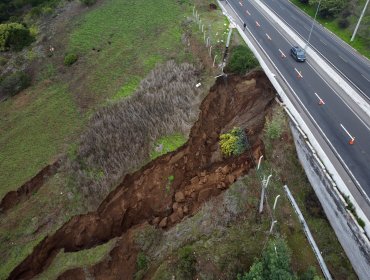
<point x="308" y="234"/>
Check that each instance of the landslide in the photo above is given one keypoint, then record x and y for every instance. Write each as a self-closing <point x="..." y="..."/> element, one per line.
<point x="149" y="196"/>
<point x="12" y="198"/>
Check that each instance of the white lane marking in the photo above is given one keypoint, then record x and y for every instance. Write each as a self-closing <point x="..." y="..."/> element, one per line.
<point x="241" y="4"/>
<point x="310" y="116"/>
<point x="268" y="37"/>
<point x="299" y="73"/>
<point x="248" y="13"/>
<point x="365" y="77"/>
<point x="350" y="136"/>
<point x="342" y="58"/>
<point x="282" y="54"/>
<point x="321" y="102"/>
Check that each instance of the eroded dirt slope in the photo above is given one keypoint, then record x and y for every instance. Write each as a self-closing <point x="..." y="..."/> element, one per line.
<point x="199" y="172"/>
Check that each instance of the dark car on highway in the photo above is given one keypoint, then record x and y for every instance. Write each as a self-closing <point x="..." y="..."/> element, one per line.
<point x="298" y="53"/>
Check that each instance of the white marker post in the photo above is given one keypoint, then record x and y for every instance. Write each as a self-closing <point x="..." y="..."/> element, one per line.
<point x="352" y="140"/>
<point x="214" y="60"/>
<point x="321" y="102"/>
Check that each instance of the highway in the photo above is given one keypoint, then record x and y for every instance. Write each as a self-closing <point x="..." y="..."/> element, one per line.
<point x="353" y="67"/>
<point x="334" y="117"/>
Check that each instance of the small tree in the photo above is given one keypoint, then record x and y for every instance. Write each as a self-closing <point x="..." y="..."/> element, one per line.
<point x="233" y="142"/>
<point x="14" y="83"/>
<point x="241" y="61"/>
<point x="14" y="36"/>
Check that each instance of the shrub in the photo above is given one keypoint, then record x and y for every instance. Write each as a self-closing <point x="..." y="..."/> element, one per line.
<point x="186" y="263"/>
<point x="88" y="2"/>
<point x="14" y="36"/>
<point x="70" y="58"/>
<point x="241" y="60"/>
<point x="234" y="142"/>
<point x="14" y="83"/>
<point x="343" y="23"/>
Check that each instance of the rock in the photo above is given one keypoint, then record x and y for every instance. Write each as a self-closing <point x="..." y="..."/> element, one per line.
<point x="185" y="209"/>
<point x="174" y="218"/>
<point x="156" y="221"/>
<point x="204" y="194"/>
<point x="225" y="170"/>
<point x="230" y="178"/>
<point x="175" y="206"/>
<point x="203" y="180"/>
<point x="203" y="173"/>
<point x="179" y="197"/>
<point x="180" y="213"/>
<point x="163" y="223"/>
<point x="194" y="180"/>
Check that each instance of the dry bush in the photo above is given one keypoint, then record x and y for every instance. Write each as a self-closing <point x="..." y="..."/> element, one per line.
<point x="119" y="137"/>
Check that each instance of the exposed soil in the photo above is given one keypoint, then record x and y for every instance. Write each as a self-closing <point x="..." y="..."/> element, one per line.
<point x="149" y="196"/>
<point x="12" y="198"/>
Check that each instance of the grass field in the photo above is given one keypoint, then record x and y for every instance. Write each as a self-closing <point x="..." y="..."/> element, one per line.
<point x="123" y="41"/>
<point x="36" y="124"/>
<point x="332" y="24"/>
<point x="33" y="128"/>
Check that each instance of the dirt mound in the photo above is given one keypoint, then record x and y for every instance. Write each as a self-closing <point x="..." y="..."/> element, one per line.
<point x="169" y="188"/>
<point x="14" y="197"/>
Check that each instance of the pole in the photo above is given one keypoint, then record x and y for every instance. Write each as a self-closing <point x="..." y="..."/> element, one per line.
<point x="276" y="198"/>
<point x="272" y="225"/>
<point x="259" y="162"/>
<point x="313" y="23"/>
<point x="264" y="186"/>
<point x="214" y="60"/>
<point x="359" y="20"/>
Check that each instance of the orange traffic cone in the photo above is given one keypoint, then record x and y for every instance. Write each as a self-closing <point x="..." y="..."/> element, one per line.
<point x="352" y="141"/>
<point x="321" y="102"/>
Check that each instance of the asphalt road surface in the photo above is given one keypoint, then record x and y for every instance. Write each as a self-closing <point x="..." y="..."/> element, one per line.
<point x="309" y="88"/>
<point x="352" y="66"/>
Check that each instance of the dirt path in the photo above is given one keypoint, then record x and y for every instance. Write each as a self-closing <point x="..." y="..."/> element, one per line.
<point x="147" y="195"/>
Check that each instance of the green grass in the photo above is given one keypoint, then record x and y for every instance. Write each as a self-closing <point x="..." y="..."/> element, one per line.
<point x="131" y="39"/>
<point x="169" y="143"/>
<point x="65" y="261"/>
<point x="332" y="25"/>
<point x="33" y="129"/>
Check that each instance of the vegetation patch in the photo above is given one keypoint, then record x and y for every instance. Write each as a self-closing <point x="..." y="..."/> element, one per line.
<point x="70" y="59"/>
<point x="241" y="60"/>
<point x="167" y="144"/>
<point x="68" y="260"/>
<point x="234" y="142"/>
<point x="14" y="36"/>
<point x="14" y="83"/>
<point x="119" y="136"/>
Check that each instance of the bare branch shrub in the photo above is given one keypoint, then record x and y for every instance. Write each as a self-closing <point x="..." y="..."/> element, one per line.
<point x="119" y="137"/>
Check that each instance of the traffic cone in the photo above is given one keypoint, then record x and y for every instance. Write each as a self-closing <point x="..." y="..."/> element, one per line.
<point x="257" y="24"/>
<point x="352" y="141"/>
<point x="321" y="102"/>
<point x="299" y="75"/>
